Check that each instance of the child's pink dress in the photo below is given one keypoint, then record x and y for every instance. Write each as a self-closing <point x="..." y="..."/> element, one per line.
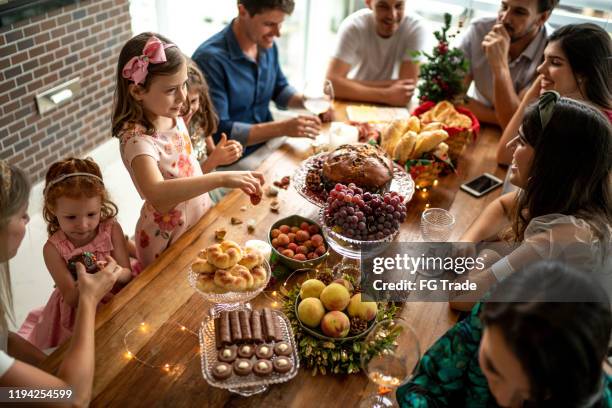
<point x="51" y="325"/>
<point x="175" y="158"/>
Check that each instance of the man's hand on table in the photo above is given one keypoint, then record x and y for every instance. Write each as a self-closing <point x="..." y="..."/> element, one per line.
<point x="302" y="126"/>
<point x="399" y="92"/>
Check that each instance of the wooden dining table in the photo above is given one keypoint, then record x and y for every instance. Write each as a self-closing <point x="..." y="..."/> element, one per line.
<point x="158" y="314"/>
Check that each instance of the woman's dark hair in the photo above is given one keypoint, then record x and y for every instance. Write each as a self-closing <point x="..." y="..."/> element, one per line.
<point x="125" y="108"/>
<point x="588" y="49"/>
<point x="557" y="321"/>
<point x="571" y="167"/>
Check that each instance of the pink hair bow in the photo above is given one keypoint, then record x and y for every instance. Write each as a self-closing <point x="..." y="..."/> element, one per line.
<point x="136" y="69"/>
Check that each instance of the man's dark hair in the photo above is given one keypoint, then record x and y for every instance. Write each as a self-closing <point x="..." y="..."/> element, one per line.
<point x="259" y="6"/>
<point x="547" y="5"/>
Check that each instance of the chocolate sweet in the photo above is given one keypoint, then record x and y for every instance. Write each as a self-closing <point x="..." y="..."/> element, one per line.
<point x="245" y="326"/>
<point x="88" y="259"/>
<point x="282" y="349"/>
<point x="256" y="332"/>
<point x="242" y="366"/>
<point x="227" y="354"/>
<point x="225" y="333"/>
<point x="282" y="364"/>
<point x="235" y="326"/>
<point x="222" y="371"/>
<point x="264" y="351"/>
<point x="272" y="331"/>
<point x="262" y="368"/>
<point x="362" y="164"/>
<point x="246" y="351"/>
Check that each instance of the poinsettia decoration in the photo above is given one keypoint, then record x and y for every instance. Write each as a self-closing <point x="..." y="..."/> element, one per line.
<point x="442" y="76"/>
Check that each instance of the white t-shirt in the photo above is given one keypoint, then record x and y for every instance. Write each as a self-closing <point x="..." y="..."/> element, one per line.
<point x="5" y="360"/>
<point x="371" y="57"/>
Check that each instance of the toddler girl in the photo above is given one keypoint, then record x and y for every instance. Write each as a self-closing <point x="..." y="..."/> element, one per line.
<point x="150" y="98"/>
<point x="82" y="228"/>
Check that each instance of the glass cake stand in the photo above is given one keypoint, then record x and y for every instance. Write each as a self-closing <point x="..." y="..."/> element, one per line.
<point x="228" y="301"/>
<point x="402" y="182"/>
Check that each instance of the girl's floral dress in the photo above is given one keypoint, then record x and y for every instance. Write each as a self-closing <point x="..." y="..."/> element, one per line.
<point x="175" y="158"/>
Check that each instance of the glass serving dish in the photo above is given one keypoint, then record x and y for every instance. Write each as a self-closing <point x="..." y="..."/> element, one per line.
<point x="353" y="248"/>
<point x="229" y="300"/>
<point x="401" y="183"/>
<point x="250" y="384"/>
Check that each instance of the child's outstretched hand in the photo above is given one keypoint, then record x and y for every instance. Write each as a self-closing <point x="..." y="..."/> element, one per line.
<point x="248" y="181"/>
<point x="226" y="152"/>
<point x="95" y="285"/>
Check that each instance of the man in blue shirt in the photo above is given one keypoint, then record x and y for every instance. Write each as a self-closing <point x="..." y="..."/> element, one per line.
<point x="242" y="70"/>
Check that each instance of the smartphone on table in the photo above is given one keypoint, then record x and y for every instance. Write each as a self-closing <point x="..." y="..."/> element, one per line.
<point x="482" y="185"/>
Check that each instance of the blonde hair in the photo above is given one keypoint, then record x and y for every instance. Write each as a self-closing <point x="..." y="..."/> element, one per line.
<point x="74" y="187"/>
<point x="125" y="108"/>
<point x="14" y="194"/>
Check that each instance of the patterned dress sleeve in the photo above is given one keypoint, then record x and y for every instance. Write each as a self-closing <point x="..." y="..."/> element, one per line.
<point x="448" y="374"/>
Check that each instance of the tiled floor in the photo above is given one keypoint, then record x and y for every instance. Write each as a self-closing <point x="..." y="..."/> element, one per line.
<point x="32" y="283"/>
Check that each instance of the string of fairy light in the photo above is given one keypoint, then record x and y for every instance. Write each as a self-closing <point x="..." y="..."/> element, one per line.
<point x="143" y="327"/>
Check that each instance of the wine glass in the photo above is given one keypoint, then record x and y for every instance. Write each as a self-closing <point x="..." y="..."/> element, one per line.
<point x="389" y="356"/>
<point x="318" y="99"/>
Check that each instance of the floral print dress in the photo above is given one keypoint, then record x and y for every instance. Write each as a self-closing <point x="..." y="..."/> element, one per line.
<point x="449" y="374"/>
<point x="175" y="158"/>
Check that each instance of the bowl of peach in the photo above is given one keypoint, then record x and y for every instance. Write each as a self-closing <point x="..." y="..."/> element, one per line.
<point x="298" y="242"/>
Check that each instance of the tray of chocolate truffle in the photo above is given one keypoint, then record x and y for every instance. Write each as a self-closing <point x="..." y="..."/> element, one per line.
<point x="364" y="165"/>
<point x="226" y="273"/>
<point x="245" y="350"/>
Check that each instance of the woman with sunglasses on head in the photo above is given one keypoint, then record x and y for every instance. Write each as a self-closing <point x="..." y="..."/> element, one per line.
<point x="563" y="166"/>
<point x="578" y="65"/>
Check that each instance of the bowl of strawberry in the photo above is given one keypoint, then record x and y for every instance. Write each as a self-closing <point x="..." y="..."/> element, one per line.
<point x="298" y="243"/>
<point x="353" y="219"/>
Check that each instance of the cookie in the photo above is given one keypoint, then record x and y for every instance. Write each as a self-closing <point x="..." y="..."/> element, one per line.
<point x="282" y="349"/>
<point x="262" y="368"/>
<point x="282" y="364"/>
<point x="242" y="366"/>
<point x="227" y="354"/>
<point x="264" y="351"/>
<point x="222" y="371"/>
<point x="246" y="351"/>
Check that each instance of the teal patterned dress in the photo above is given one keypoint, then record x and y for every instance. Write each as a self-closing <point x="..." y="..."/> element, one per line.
<point x="449" y="374"/>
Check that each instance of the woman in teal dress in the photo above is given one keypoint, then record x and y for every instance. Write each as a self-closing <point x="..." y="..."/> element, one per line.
<point x="540" y="340"/>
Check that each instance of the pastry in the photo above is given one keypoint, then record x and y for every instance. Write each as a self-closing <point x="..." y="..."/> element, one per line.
<point x="206" y="283"/>
<point x="259" y="275"/>
<point x="227" y="354"/>
<point x="446" y="113"/>
<point x="262" y="368"/>
<point x="251" y="258"/>
<point x="88" y="260"/>
<point x="428" y="140"/>
<point x="264" y="351"/>
<point x="203" y="266"/>
<point x="282" y="349"/>
<point x="236" y="279"/>
<point x="282" y="364"/>
<point x="224" y="255"/>
<point x="242" y="367"/>
<point x="246" y="351"/>
<point x="362" y="164"/>
<point x="392" y="134"/>
<point x="404" y="149"/>
<point x="222" y="371"/>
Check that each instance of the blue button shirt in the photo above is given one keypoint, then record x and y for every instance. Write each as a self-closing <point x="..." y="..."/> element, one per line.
<point x="241" y="88"/>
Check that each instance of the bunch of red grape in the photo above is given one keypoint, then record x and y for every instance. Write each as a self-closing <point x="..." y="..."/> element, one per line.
<point x="363" y="216"/>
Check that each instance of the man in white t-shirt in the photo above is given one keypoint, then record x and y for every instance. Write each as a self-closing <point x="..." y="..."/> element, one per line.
<point x="374" y="59"/>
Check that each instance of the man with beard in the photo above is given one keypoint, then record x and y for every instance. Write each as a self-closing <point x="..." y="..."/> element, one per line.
<point x="374" y="60"/>
<point x="504" y="52"/>
<point x="241" y="66"/>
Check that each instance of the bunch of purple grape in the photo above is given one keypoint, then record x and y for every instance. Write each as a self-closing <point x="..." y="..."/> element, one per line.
<point x="363" y="216"/>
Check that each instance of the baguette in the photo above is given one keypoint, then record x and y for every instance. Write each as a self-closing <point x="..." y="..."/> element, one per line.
<point x="428" y="140"/>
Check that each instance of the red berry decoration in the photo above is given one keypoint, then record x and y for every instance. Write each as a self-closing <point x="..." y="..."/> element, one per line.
<point x="364" y="216"/>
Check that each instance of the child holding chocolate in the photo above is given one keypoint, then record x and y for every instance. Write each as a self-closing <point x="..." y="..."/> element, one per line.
<point x="82" y="229"/>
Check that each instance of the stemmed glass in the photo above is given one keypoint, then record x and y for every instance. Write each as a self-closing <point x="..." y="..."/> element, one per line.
<point x="318" y="99"/>
<point x="389" y="356"/>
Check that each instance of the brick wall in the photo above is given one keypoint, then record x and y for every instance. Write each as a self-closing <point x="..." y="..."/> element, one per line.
<point x="81" y="40"/>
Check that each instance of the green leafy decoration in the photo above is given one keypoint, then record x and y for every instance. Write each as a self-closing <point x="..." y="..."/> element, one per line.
<point x="323" y="356"/>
